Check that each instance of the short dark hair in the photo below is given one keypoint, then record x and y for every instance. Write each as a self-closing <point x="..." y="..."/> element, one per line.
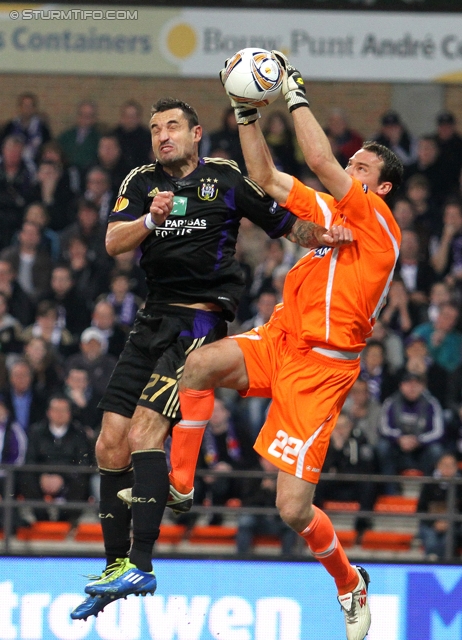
<point x="165" y="104"/>
<point x="392" y="169"/>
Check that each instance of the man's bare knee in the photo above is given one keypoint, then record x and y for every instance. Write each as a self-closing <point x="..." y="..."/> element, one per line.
<point x="295" y="501"/>
<point x="112" y="450"/>
<point x="148" y="429"/>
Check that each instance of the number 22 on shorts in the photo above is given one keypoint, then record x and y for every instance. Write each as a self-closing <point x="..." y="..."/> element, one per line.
<point x="285" y="447"/>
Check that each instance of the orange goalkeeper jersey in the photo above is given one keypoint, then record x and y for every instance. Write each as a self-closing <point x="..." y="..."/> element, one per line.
<point x="332" y="296"/>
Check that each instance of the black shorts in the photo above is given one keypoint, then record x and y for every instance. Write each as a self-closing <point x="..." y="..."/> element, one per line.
<point x="153" y="358"/>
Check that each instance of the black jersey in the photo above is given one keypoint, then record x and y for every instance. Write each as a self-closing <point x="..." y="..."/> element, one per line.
<point x="190" y="258"/>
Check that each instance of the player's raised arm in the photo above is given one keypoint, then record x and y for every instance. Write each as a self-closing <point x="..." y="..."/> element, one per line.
<point x="257" y="156"/>
<point x="312" y="140"/>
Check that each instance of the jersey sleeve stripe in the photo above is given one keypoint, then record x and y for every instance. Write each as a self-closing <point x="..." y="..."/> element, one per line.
<point x="330" y="284"/>
<point x="133" y="172"/>
<point x="325" y="210"/>
<point x="394" y="243"/>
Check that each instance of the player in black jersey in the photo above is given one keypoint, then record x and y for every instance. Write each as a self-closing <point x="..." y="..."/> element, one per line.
<point x="183" y="212"/>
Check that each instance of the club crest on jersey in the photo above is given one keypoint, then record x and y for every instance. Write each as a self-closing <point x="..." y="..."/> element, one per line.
<point x="208" y="189"/>
<point x="320" y="252"/>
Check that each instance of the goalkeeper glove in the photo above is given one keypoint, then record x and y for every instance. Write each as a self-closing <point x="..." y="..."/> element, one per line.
<point x="293" y="87"/>
<point x="245" y="113"/>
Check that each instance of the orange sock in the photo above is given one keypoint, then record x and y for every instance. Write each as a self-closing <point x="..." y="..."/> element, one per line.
<point x="325" y="547"/>
<point x="196" y="411"/>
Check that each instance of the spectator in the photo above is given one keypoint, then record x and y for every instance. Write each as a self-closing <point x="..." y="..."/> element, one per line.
<point x="278" y="280"/>
<point x="265" y="306"/>
<point x="434" y="499"/>
<point x="411" y="429"/>
<point x="44" y="365"/>
<point x="450" y="144"/>
<point x="29" y="126"/>
<point x="37" y="214"/>
<point x="134" y="138"/>
<point x="401" y="314"/>
<point x="418" y="361"/>
<point x="53" y="191"/>
<point x="93" y="359"/>
<point x="440" y="293"/>
<point x="349" y="452"/>
<point x="104" y="319"/>
<point x="89" y="229"/>
<point x="57" y="440"/>
<point x="24" y="404"/>
<point x="98" y="190"/>
<point x="47" y="325"/>
<point x="19" y="304"/>
<point x="446" y="252"/>
<point x="111" y="160"/>
<point x="16" y="179"/>
<point x="13" y="444"/>
<point x="32" y="264"/>
<point x="84" y="403"/>
<point x="428" y="164"/>
<point x="416" y="274"/>
<point x="90" y="280"/>
<point x="221" y="452"/>
<point x="123" y="301"/>
<point x="444" y="341"/>
<point x="10" y="329"/>
<point x="80" y="142"/>
<point x="52" y="152"/>
<point x="280" y="139"/>
<point x="261" y="492"/>
<point x="375" y="371"/>
<point x="392" y="342"/>
<point x="274" y="256"/>
<point x="225" y="141"/>
<point x="406" y="217"/>
<point x="346" y="140"/>
<point x="428" y="216"/>
<point x="364" y="411"/>
<point x="73" y="308"/>
<point x="394" y="135"/>
<point x="126" y="263"/>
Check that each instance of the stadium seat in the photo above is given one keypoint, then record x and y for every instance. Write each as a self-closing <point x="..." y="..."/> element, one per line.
<point x="171" y="533"/>
<point x="212" y="534"/>
<point x="337" y="505"/>
<point x="266" y="541"/>
<point x="44" y="531"/>
<point x="347" y="537"/>
<point x="387" y="540"/>
<point x="412" y="473"/>
<point x="396" y="504"/>
<point x="89" y="532"/>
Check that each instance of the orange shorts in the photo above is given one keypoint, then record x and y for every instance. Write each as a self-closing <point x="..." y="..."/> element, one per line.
<point x="308" y="391"/>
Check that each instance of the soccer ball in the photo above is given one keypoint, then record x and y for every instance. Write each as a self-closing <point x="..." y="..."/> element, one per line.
<point x="252" y="76"/>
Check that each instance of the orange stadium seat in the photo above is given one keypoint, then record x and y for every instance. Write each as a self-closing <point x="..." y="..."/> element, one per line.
<point x="347" y="537"/>
<point x="44" y="531"/>
<point x="172" y="533"/>
<point x="213" y="534"/>
<point x="387" y="540"/>
<point x="396" y="504"/>
<point x="89" y="532"/>
<point x="337" y="505"/>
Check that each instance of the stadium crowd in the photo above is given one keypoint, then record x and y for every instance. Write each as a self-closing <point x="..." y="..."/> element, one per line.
<point x="66" y="307"/>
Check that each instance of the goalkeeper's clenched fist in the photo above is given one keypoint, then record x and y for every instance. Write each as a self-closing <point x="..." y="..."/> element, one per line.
<point x="293" y="87"/>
